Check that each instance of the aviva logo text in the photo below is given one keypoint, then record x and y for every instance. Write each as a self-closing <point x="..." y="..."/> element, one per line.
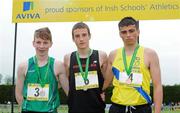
<point x="28" y="6"/>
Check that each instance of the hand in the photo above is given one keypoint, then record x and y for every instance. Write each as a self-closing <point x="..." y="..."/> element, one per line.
<point x="19" y="108"/>
<point x="103" y="96"/>
<point x="21" y="99"/>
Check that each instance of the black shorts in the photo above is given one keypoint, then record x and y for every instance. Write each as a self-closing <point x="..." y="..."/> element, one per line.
<point x="86" y="112"/>
<point x="89" y="112"/>
<point x="116" y="108"/>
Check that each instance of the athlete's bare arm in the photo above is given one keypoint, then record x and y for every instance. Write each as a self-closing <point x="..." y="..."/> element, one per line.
<point x="62" y="78"/>
<point x="22" y="69"/>
<point x="67" y="63"/>
<point x="152" y="61"/>
<point x="103" y="62"/>
<point x="103" y="66"/>
<point x="109" y="74"/>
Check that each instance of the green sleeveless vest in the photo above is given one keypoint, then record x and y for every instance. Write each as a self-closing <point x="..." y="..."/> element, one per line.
<point x="32" y="77"/>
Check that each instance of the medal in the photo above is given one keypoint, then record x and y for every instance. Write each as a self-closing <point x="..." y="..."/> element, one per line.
<point x="130" y="78"/>
<point x="42" y="79"/>
<point x="129" y="69"/>
<point x="84" y="74"/>
<point x="86" y="81"/>
<point x="42" y="93"/>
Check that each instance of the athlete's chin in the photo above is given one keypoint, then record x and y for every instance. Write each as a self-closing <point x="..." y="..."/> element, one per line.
<point x="130" y="43"/>
<point x="43" y="53"/>
<point x="82" y="47"/>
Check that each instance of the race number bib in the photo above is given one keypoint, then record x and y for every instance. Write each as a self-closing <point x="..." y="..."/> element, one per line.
<point x="38" y="93"/>
<point x="133" y="79"/>
<point x="93" y="81"/>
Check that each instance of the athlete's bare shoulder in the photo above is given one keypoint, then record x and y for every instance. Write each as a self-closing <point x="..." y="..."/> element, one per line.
<point x="112" y="55"/>
<point x="102" y="54"/>
<point x="67" y="59"/>
<point x="150" y="56"/>
<point x="149" y="52"/>
<point x="22" y="68"/>
<point x="57" y="64"/>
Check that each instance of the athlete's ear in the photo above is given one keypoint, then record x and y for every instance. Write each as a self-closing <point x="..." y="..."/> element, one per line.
<point x="73" y="39"/>
<point x="89" y="36"/>
<point x="33" y="43"/>
<point x="51" y="44"/>
<point x="120" y="34"/>
<point x="138" y="31"/>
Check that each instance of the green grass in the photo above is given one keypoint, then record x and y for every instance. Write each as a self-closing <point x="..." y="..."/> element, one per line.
<point x="63" y="109"/>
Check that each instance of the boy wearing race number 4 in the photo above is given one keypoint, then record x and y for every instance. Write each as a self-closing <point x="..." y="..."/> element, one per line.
<point x="132" y="68"/>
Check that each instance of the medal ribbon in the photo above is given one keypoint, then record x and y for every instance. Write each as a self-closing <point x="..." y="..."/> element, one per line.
<point x="83" y="74"/>
<point x="129" y="69"/>
<point x="42" y="81"/>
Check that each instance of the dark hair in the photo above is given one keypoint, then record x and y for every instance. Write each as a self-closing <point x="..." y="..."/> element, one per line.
<point x="80" y="25"/>
<point x="126" y="21"/>
<point x="43" y="33"/>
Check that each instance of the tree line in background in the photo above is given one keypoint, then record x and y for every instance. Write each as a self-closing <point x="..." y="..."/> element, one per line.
<point x="5" y="79"/>
<point x="170" y="94"/>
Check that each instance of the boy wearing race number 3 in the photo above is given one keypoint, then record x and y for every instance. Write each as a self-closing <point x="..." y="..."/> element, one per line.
<point x="39" y="77"/>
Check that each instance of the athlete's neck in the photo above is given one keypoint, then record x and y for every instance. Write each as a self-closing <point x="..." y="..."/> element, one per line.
<point x="83" y="53"/>
<point x="42" y="60"/>
<point x="129" y="49"/>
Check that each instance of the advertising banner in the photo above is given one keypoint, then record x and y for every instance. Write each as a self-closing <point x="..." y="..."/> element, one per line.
<point x="93" y="10"/>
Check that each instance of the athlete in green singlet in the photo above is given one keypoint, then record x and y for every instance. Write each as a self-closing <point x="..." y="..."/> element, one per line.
<point x="39" y="77"/>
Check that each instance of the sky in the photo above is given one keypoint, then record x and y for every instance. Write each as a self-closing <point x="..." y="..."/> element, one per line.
<point x="160" y="35"/>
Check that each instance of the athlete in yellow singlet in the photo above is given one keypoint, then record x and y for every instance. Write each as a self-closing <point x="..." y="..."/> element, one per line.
<point x="131" y="68"/>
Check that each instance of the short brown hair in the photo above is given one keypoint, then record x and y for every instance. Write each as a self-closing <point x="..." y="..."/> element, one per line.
<point x="80" y="25"/>
<point x="43" y="33"/>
